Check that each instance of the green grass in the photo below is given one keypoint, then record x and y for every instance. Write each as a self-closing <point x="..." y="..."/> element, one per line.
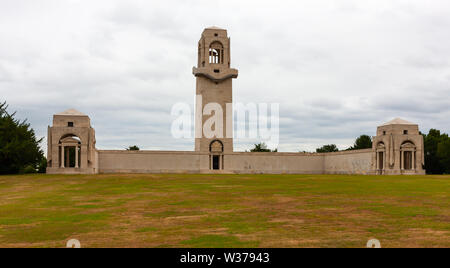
<point x="224" y="210"/>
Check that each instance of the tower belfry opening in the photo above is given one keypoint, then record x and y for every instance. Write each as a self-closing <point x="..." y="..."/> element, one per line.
<point x="216" y="53"/>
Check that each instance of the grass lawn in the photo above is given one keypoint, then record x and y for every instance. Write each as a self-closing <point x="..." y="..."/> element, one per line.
<point x="224" y="210"/>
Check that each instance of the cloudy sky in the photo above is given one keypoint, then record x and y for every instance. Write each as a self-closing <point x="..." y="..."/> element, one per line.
<point x="337" y="68"/>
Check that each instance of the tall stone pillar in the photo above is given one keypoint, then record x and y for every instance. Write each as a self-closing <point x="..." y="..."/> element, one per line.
<point x="377" y="160"/>
<point x="63" y="158"/>
<point x="402" y="160"/>
<point x="76" y="157"/>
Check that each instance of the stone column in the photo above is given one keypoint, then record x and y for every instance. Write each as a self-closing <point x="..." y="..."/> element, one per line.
<point x="413" y="163"/>
<point x="76" y="156"/>
<point x="377" y="160"/>
<point x="402" y="160"/>
<point x="374" y="160"/>
<point x="62" y="156"/>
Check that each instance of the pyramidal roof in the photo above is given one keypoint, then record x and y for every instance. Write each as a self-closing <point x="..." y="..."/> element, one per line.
<point x="398" y="121"/>
<point x="72" y="112"/>
<point x="214" y="28"/>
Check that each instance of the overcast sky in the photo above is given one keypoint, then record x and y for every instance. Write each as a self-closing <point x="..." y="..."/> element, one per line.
<point x="338" y="69"/>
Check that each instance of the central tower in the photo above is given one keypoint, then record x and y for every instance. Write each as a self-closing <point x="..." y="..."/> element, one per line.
<point x="214" y="86"/>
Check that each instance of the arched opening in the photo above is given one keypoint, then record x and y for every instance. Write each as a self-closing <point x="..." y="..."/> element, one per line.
<point x="408" y="155"/>
<point x="69" y="151"/>
<point x="216" y="53"/>
<point x="381" y="157"/>
<point x="216" y="147"/>
<point x="216" y="156"/>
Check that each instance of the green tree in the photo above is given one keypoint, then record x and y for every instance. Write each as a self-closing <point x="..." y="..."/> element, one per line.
<point x="443" y="152"/>
<point x="262" y="147"/>
<point x="431" y="142"/>
<point x="19" y="147"/>
<point x="328" y="148"/>
<point x="363" y="142"/>
<point x="437" y="152"/>
<point x="42" y="166"/>
<point x="133" y="148"/>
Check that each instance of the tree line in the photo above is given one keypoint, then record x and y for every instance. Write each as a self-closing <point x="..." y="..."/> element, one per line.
<point x="362" y="142"/>
<point x="437" y="152"/>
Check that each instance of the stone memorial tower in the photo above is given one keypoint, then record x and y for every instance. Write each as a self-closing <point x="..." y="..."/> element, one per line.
<point x="214" y="88"/>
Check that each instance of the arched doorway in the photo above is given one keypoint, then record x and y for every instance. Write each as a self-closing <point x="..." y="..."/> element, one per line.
<point x="70" y="151"/>
<point x="381" y="157"/>
<point x="408" y="155"/>
<point x="216" y="155"/>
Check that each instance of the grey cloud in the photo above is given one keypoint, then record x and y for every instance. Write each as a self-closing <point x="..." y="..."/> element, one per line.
<point x="425" y="62"/>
